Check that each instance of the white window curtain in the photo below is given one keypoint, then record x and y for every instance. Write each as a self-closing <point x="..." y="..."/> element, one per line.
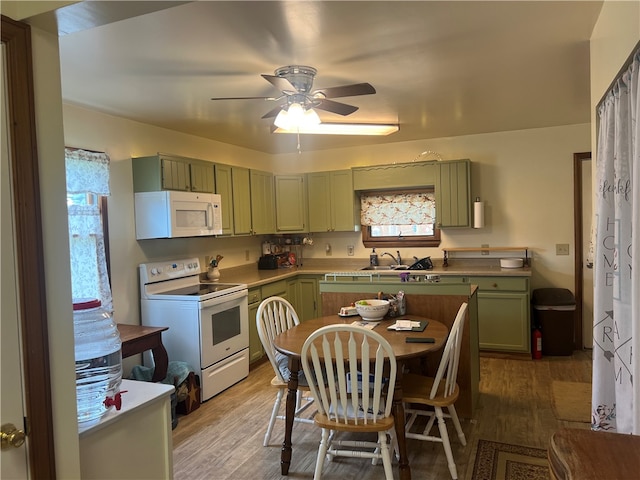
<point x="616" y="331"/>
<point x="397" y="209"/>
<point x="87" y="180"/>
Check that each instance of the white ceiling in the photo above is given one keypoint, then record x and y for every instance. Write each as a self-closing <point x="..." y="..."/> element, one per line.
<point x="440" y="68"/>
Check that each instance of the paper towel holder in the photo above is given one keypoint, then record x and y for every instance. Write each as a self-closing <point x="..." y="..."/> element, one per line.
<point x="478" y="213"/>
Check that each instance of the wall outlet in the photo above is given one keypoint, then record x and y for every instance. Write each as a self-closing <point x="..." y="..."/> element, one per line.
<point x="562" y="249"/>
<point x="246" y="254"/>
<point x="327" y="249"/>
<point x="485" y="252"/>
<point x="350" y="250"/>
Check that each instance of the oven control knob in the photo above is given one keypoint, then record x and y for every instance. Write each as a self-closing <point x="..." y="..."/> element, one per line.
<point x="154" y="271"/>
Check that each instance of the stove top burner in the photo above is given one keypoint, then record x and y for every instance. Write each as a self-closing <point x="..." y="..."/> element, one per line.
<point x="200" y="289"/>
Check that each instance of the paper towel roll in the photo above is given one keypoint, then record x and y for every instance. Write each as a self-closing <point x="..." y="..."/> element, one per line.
<point x="478" y="214"/>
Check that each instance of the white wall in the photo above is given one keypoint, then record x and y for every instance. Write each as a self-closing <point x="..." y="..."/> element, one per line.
<point x="48" y="105"/>
<point x="123" y="139"/>
<point x="520" y="154"/>
<point x="613" y="39"/>
<point x="524" y="177"/>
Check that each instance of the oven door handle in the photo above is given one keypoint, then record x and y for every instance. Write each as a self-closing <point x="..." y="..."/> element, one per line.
<point x="212" y="302"/>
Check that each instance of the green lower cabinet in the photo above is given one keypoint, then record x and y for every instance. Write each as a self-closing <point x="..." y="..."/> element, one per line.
<point x="275" y="289"/>
<point x="255" y="345"/>
<point x="503" y="311"/>
<point x="503" y="321"/>
<point x="308" y="303"/>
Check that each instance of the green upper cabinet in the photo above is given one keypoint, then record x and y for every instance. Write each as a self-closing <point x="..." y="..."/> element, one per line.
<point x="224" y="187"/>
<point x="202" y="176"/>
<point x="332" y="202"/>
<point x="393" y="176"/>
<point x="453" y="194"/>
<point x="451" y="180"/>
<point x="247" y="200"/>
<point x="241" y="195"/>
<point x="167" y="172"/>
<point x="263" y="217"/>
<point x="291" y="204"/>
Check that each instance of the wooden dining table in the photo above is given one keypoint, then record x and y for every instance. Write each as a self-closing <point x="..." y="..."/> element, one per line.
<point x="290" y="343"/>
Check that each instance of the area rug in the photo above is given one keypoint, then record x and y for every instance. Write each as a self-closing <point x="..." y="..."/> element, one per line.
<point x="504" y="461"/>
<point x="571" y="401"/>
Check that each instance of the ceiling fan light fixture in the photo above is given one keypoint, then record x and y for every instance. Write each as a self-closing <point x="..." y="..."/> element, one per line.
<point x="341" y="129"/>
<point x="310" y="118"/>
<point x="295" y="117"/>
<point x="282" y="120"/>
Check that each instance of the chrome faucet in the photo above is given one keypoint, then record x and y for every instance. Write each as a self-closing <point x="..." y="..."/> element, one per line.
<point x="397" y="260"/>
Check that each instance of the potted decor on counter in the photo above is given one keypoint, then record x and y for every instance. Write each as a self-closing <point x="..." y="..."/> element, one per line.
<point x="213" y="273"/>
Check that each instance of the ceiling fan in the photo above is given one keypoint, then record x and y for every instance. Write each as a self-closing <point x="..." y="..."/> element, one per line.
<point x="295" y="83"/>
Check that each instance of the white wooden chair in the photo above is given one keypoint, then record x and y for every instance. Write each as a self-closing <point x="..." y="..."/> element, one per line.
<point x="438" y="392"/>
<point x="356" y="396"/>
<point x="274" y="316"/>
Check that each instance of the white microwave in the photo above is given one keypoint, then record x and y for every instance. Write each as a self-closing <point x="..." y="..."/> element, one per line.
<point x="170" y="214"/>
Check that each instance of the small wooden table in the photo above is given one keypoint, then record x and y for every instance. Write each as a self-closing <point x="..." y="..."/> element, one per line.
<point x="138" y="338"/>
<point x="290" y="343"/>
<point x="576" y="454"/>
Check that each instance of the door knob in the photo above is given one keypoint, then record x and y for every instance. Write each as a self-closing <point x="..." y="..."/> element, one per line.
<point x="11" y="437"/>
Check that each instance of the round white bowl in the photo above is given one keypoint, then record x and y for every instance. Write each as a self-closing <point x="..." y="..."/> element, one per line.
<point x="373" y="311"/>
<point x="511" y="262"/>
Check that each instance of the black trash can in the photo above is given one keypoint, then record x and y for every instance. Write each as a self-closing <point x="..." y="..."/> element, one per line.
<point x="553" y="313"/>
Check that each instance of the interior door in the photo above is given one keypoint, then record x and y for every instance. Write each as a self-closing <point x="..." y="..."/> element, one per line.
<point x="26" y="299"/>
<point x="583" y="274"/>
<point x="587" y="270"/>
<point x="13" y="459"/>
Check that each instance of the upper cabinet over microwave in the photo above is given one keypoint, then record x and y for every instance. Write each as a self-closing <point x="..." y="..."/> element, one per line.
<point x="169" y="214"/>
<point x="171" y="172"/>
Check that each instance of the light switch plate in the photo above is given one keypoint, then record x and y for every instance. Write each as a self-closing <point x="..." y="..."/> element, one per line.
<point x="562" y="249"/>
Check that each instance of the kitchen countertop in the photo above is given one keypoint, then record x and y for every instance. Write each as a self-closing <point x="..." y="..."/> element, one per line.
<point x="253" y="277"/>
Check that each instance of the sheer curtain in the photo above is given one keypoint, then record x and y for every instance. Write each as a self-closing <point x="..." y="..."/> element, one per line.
<point x="87" y="180"/>
<point x="616" y="331"/>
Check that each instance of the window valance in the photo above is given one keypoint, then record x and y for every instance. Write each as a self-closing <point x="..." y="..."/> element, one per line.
<point x="411" y="208"/>
<point x="87" y="172"/>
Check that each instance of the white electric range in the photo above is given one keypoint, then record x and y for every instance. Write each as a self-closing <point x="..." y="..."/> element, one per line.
<point x="208" y="322"/>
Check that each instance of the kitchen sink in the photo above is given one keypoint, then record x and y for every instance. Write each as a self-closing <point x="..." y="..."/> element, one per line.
<point x="386" y="267"/>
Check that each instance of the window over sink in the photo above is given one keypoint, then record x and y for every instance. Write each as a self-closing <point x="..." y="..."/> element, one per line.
<point x="393" y="218"/>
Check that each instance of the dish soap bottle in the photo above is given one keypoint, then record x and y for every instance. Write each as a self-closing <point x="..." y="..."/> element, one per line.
<point x="373" y="258"/>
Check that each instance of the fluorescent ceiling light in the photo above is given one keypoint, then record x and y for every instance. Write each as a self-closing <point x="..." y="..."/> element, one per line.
<point x="340" y="129"/>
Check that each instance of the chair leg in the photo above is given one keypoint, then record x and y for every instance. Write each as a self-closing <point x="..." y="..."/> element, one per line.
<point x="386" y="455"/>
<point x="274" y="415"/>
<point x="444" y="435"/>
<point x="322" y="452"/>
<point x="456" y="422"/>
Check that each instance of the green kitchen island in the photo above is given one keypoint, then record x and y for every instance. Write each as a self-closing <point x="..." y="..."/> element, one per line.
<point x="438" y="301"/>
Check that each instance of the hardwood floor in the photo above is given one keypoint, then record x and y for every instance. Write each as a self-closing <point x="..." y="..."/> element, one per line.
<point x="223" y="438"/>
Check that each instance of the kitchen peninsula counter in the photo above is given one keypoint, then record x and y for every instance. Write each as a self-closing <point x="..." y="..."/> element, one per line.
<point x="253" y="277"/>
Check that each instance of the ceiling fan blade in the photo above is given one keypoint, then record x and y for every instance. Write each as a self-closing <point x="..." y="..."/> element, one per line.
<point x="280" y="83"/>
<point x="244" y="98"/>
<point x="347" y="90"/>
<point x="334" y="107"/>
<point x="273" y="112"/>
